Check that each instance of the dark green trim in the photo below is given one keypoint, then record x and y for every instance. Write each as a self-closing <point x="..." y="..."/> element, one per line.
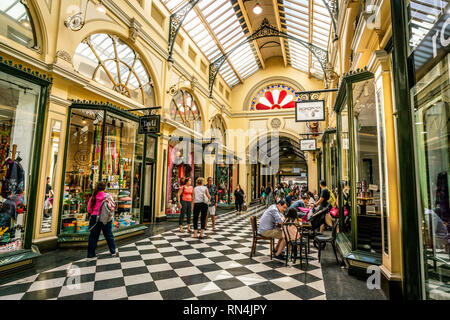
<point x="351" y="77"/>
<point x="409" y="221"/>
<point x="16" y="256"/>
<point x="153" y="186"/>
<point x="18" y="70"/>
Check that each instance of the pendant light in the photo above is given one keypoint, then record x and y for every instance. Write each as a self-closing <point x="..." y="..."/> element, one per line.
<point x="257" y="9"/>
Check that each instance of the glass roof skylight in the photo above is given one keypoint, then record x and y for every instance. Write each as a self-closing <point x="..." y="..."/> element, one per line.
<point x="214" y="26"/>
<point x="295" y="19"/>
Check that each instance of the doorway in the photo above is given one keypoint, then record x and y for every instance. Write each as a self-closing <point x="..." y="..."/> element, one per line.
<point x="149" y="214"/>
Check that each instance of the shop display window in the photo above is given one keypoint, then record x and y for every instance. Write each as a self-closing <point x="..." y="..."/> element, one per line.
<point x="345" y="183"/>
<point x="19" y="100"/>
<point x="368" y="171"/>
<point x="16" y="23"/>
<point x="224" y="183"/>
<point x="102" y="149"/>
<point x="50" y="174"/>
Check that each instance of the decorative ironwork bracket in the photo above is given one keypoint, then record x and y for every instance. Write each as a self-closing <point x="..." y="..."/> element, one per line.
<point x="264" y="31"/>
<point x="333" y="9"/>
<point x="176" y="21"/>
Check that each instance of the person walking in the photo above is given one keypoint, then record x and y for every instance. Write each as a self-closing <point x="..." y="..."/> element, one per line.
<point x="201" y="198"/>
<point x="94" y="206"/>
<point x="213" y="192"/>
<point x="239" y="198"/>
<point x="269" y="196"/>
<point x="185" y="202"/>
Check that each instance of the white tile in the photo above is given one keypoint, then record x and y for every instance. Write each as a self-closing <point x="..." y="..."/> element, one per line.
<point x="187" y="271"/>
<point x="47" y="284"/>
<point x="218" y="275"/>
<point x="258" y="267"/>
<point x="262" y="259"/>
<point x="228" y="242"/>
<point x="110" y="294"/>
<point x="289" y="271"/>
<point x="133" y="264"/>
<point x="242" y="293"/>
<point x="150" y="256"/>
<point x="318" y="285"/>
<point x="211" y="254"/>
<point x="61" y="268"/>
<point x="159" y="267"/>
<point x="286" y="282"/>
<point x="229" y="264"/>
<point x="128" y="245"/>
<point x="75" y="288"/>
<point x="23" y="280"/>
<point x="87" y="270"/>
<point x="193" y="298"/>
<point x="204" y="288"/>
<point x="175" y="259"/>
<point x="251" y="278"/>
<point x="106" y="275"/>
<point x="13" y="297"/>
<point x="137" y="279"/>
<point x="128" y="253"/>
<point x="201" y="262"/>
<point x="147" y="296"/>
<point x="317" y="273"/>
<point x="102" y="262"/>
<point x="159" y="241"/>
<point x="221" y="248"/>
<point x="169" y="284"/>
<point x="282" y="295"/>
<point x="188" y="251"/>
<point x="199" y="245"/>
<point x="168" y="249"/>
<point x="145" y="247"/>
<point x="178" y="244"/>
<point x="237" y="256"/>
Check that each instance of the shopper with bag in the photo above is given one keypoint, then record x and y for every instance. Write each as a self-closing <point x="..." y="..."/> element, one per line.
<point x="101" y="207"/>
<point x="201" y="200"/>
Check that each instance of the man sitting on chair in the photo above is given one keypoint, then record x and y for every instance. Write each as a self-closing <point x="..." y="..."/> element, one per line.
<point x="270" y="223"/>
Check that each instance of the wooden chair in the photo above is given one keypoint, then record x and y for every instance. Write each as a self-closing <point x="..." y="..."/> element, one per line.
<point x="257" y="237"/>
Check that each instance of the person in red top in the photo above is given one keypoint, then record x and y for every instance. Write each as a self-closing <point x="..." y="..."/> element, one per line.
<point x="95" y="227"/>
<point x="185" y="202"/>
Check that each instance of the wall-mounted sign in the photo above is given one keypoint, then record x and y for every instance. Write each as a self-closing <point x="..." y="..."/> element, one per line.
<point x="149" y="124"/>
<point x="308" y="145"/>
<point x="296" y="170"/>
<point x="311" y="110"/>
<point x="345" y="143"/>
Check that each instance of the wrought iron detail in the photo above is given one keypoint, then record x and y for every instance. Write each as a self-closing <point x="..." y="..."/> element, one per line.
<point x="264" y="31"/>
<point x="333" y="9"/>
<point x="313" y="95"/>
<point x="176" y="21"/>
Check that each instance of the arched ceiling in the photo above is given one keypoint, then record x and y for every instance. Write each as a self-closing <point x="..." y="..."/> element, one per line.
<point x="217" y="26"/>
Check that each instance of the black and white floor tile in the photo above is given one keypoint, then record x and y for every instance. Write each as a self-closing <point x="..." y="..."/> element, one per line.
<point x="174" y="266"/>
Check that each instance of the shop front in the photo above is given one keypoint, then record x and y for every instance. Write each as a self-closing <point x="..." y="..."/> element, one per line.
<point x="23" y="108"/>
<point x="226" y="180"/>
<point x="103" y="144"/>
<point x="360" y="171"/>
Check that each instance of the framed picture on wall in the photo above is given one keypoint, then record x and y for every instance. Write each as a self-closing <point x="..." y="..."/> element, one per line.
<point x="308" y="145"/>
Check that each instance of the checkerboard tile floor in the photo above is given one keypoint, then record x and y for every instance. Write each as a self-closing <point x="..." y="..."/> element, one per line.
<point x="175" y="266"/>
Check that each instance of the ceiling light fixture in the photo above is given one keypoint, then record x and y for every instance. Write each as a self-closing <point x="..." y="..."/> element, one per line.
<point x="257" y="9"/>
<point x="100" y="8"/>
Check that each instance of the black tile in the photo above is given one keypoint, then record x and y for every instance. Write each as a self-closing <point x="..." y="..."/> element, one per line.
<point x="52" y="275"/>
<point x="229" y="251"/>
<point x="219" y="259"/>
<point x="186" y="247"/>
<point x="237" y="245"/>
<point x="141" y="288"/>
<point x="170" y="254"/>
<point x="81" y="296"/>
<point x="148" y="251"/>
<point x="305" y="277"/>
<point x="208" y="249"/>
<point x="42" y="294"/>
<point x="246" y="261"/>
<point x="215" y="296"/>
<point x="157" y="238"/>
<point x="84" y="264"/>
<point x="163" y="245"/>
<point x="124" y="249"/>
<point x="239" y="271"/>
<point x="109" y="284"/>
<point x="230" y="283"/>
<point x="135" y="271"/>
<point x="305" y="292"/>
<point x="14" y="289"/>
<point x="177" y="294"/>
<point x="162" y="275"/>
<point x="265" y="287"/>
<point x="195" y="279"/>
<point x="271" y="274"/>
<point x="154" y="261"/>
<point x="181" y="264"/>
<point x="144" y="243"/>
<point x="209" y="267"/>
<point x="131" y="258"/>
<point x="108" y="267"/>
<point x="194" y="256"/>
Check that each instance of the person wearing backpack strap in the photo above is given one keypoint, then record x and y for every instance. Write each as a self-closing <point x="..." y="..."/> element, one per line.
<point x="185" y="202"/>
<point x="99" y="199"/>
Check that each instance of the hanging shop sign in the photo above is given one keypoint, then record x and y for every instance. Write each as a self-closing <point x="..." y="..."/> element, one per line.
<point x="149" y="124"/>
<point x="308" y="145"/>
<point x="310" y="110"/>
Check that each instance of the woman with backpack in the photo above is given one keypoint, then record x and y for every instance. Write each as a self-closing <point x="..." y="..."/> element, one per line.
<point x="201" y="200"/>
<point x="99" y="197"/>
<point x="185" y="202"/>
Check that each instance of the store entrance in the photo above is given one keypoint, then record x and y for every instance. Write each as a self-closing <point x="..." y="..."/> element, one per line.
<point x="148" y="194"/>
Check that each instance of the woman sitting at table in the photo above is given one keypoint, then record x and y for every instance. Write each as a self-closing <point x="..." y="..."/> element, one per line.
<point x="291" y="217"/>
